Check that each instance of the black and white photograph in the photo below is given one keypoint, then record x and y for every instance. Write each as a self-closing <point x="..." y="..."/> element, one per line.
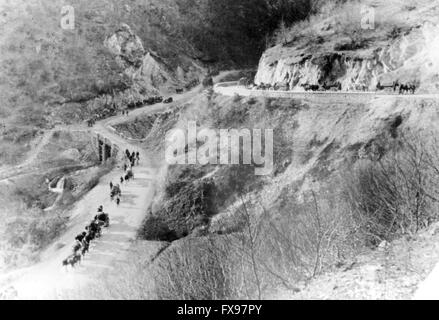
<point x="219" y="150"/>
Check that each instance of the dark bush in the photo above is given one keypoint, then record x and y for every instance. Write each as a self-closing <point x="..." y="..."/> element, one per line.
<point x="350" y="45"/>
<point x="155" y="229"/>
<point x="190" y="207"/>
<point x="194" y="269"/>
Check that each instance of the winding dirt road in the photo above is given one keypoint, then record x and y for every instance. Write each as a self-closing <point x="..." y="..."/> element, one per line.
<point x="232" y="88"/>
<point x="48" y="279"/>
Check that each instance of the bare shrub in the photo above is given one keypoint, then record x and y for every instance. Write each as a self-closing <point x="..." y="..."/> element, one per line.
<point x="195" y="269"/>
<point x="398" y="194"/>
<point x="302" y="238"/>
<point x="26" y="234"/>
<point x="286" y="245"/>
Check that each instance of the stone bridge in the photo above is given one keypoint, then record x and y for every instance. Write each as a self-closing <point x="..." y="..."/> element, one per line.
<point x="104" y="148"/>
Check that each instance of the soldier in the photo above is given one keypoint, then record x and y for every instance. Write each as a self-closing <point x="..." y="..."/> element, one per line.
<point x="81" y="236"/>
<point x="94" y="229"/>
<point x="85" y="244"/>
<point x="77" y="246"/>
<point x="103" y="219"/>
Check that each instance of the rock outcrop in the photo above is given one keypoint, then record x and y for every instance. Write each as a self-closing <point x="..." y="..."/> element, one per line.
<point x="127" y="46"/>
<point x="149" y="73"/>
<point x="410" y="57"/>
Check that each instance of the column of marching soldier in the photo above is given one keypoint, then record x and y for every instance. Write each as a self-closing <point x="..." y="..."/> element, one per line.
<point x="101" y="220"/>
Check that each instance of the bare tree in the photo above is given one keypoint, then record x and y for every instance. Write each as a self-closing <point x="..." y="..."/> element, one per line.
<point x="397" y="194"/>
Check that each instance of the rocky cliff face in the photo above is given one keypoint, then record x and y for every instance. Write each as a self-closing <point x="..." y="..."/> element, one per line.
<point x="149" y="74"/>
<point x="148" y="71"/>
<point x="411" y="55"/>
<point x="127" y="46"/>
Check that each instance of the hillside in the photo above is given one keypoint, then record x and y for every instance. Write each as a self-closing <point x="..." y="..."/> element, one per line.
<point x="118" y="52"/>
<point x="50" y="75"/>
<point x="348" y="211"/>
<point x="326" y="207"/>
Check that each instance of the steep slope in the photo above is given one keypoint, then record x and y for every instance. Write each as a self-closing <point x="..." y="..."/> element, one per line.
<point x="394" y="271"/>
